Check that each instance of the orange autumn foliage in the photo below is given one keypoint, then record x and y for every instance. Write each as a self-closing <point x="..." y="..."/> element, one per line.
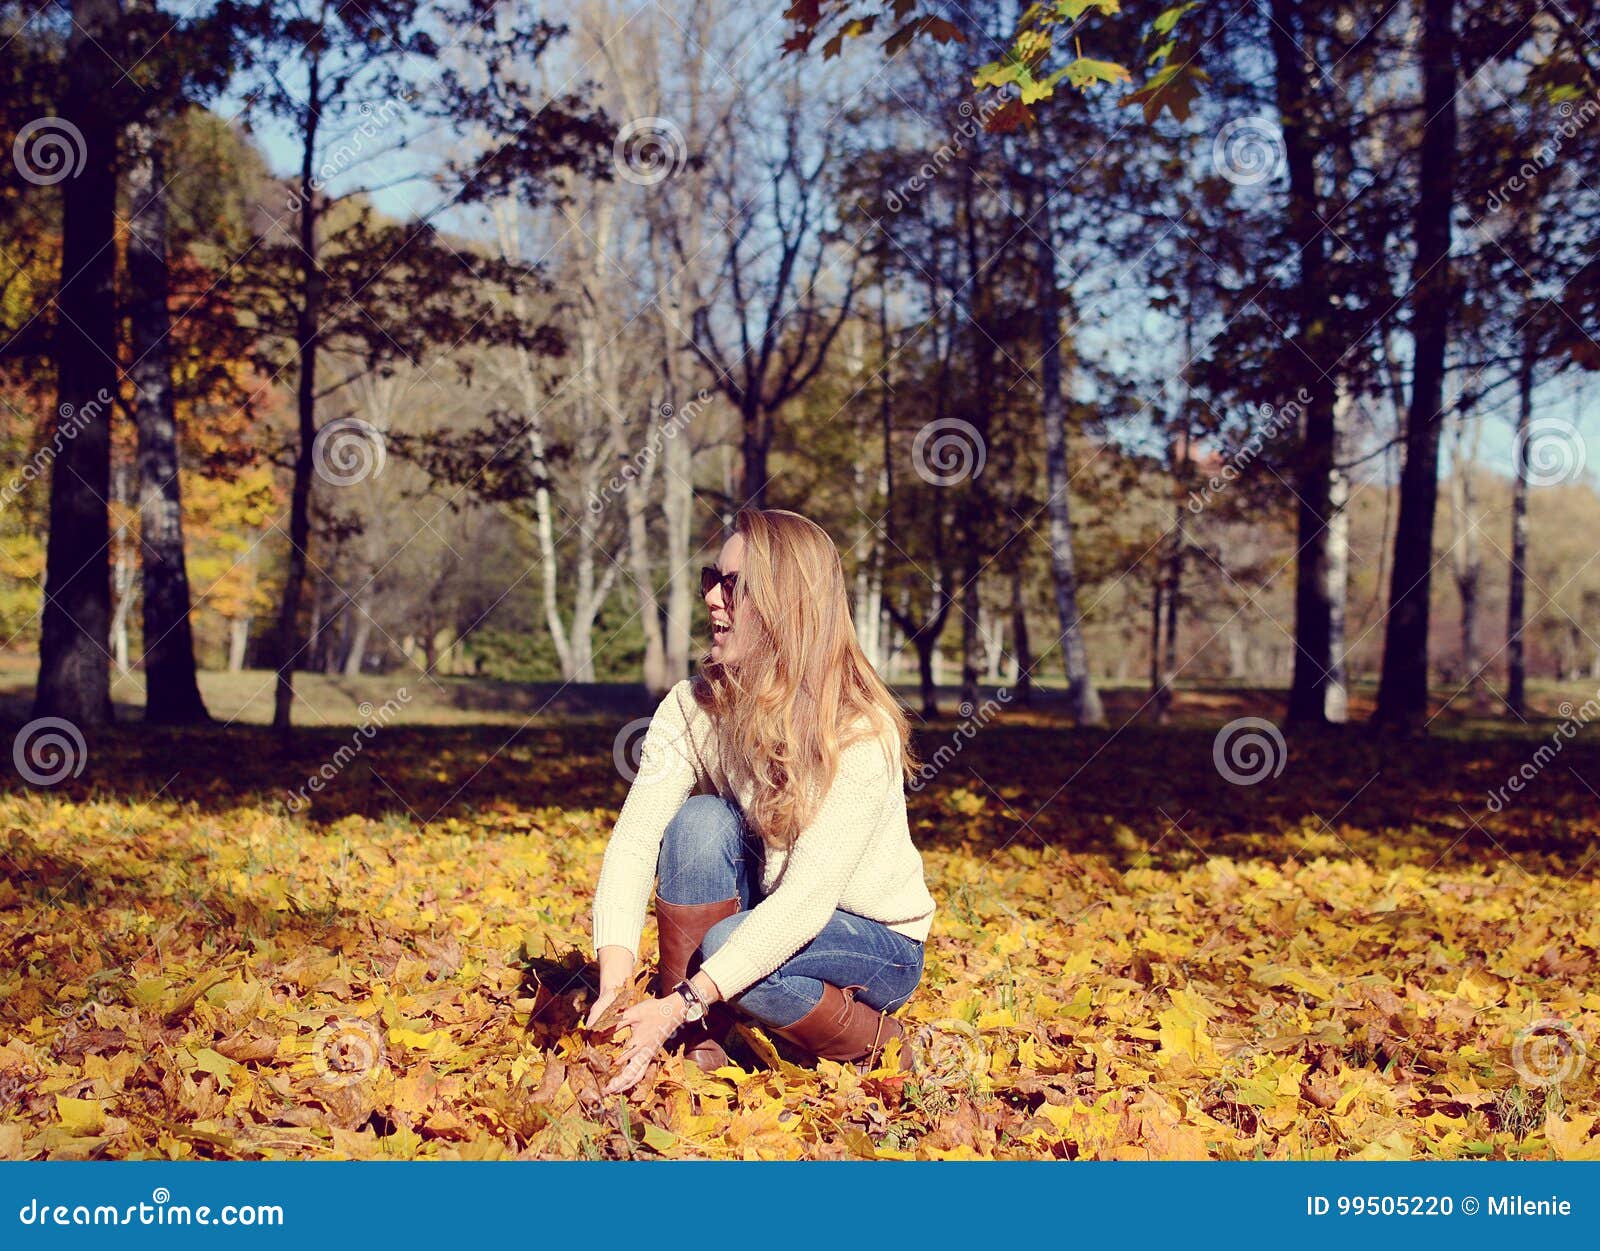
<point x="1349" y="961"/>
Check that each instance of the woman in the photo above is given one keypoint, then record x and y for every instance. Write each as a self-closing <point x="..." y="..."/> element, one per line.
<point x="791" y="871"/>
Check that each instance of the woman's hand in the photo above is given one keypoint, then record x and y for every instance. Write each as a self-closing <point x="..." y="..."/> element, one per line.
<point x="650" y="1024"/>
<point x="616" y="970"/>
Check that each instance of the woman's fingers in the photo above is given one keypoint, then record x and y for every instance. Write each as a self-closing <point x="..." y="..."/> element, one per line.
<point x="649" y="1025"/>
<point x="634" y="1063"/>
<point x="606" y="999"/>
<point x="633" y="1017"/>
<point x="623" y="1082"/>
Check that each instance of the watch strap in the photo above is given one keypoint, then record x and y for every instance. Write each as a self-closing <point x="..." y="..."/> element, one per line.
<point x="692" y="997"/>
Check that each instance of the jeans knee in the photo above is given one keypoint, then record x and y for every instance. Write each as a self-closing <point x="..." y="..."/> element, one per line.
<point x="704" y="826"/>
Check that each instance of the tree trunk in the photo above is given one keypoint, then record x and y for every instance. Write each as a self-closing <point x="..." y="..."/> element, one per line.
<point x="1336" y="692"/>
<point x="973" y="502"/>
<point x="1467" y="587"/>
<point x="924" y="634"/>
<point x="677" y="499"/>
<point x="1516" y="597"/>
<point x="121" y="577"/>
<point x="1238" y="652"/>
<point x="677" y="507"/>
<point x="1466" y="551"/>
<point x="1403" y="689"/>
<point x="74" y="676"/>
<point x="1174" y="599"/>
<point x="588" y="599"/>
<point x="863" y="604"/>
<point x="1313" y="657"/>
<point x="306" y="340"/>
<point x="122" y="595"/>
<point x="873" y="619"/>
<point x="1157" y="596"/>
<point x="878" y="625"/>
<point x="1023" y="683"/>
<point x="1178" y="454"/>
<point x="238" y="643"/>
<point x="315" y="647"/>
<point x="335" y="639"/>
<point x="655" y="650"/>
<point x="867" y="610"/>
<point x="635" y="500"/>
<point x="544" y="526"/>
<point x="994" y="642"/>
<point x="757" y="437"/>
<point x="864" y="610"/>
<point x="525" y="378"/>
<point x="360" y="635"/>
<point x="1169" y="574"/>
<point x="1083" y="700"/>
<point x="926" y="644"/>
<point x="172" y="690"/>
<point x="971" y="611"/>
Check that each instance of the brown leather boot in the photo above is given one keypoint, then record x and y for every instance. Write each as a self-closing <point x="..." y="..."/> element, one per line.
<point x="842" y="1028"/>
<point x="683" y="928"/>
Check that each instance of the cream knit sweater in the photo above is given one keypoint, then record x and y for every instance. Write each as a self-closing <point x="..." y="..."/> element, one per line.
<point x="856" y="854"/>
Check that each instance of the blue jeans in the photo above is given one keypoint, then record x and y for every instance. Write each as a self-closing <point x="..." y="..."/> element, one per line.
<point x="708" y="855"/>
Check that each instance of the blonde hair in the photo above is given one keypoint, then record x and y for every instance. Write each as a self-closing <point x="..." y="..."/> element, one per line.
<point x="789" y="703"/>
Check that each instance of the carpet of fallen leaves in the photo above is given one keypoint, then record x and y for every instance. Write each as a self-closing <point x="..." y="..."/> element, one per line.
<point x="1133" y="958"/>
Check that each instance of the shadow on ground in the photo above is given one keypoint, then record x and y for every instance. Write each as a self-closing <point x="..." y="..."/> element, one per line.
<point x="1141" y="794"/>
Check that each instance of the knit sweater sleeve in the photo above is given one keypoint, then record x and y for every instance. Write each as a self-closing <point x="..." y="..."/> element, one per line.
<point x="819" y="866"/>
<point x="668" y="771"/>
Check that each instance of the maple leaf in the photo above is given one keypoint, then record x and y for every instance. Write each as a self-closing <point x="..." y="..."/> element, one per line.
<point x="1174" y="88"/>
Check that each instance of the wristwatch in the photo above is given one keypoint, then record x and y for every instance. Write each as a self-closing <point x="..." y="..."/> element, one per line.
<point x="697" y="1005"/>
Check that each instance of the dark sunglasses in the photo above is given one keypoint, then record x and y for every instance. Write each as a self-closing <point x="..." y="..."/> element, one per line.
<point x="711" y="576"/>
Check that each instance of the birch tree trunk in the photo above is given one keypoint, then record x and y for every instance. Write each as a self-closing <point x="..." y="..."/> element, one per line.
<point x="121" y="578"/>
<point x="172" y="690"/>
<point x="635" y="500"/>
<point x="574" y="642"/>
<point x="677" y="507"/>
<point x="238" y="643"/>
<point x="1336" y="690"/>
<point x="360" y="635"/>
<point x="1082" y="698"/>
<point x="677" y="486"/>
<point x="675" y="210"/>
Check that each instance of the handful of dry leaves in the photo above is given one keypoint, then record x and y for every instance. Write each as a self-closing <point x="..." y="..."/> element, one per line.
<point x="565" y="990"/>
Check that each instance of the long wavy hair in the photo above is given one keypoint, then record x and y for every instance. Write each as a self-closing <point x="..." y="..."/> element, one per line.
<point x="793" y="697"/>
